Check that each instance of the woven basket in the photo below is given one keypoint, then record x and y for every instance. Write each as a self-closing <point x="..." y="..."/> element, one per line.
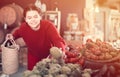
<point x="96" y="64"/>
<point x="108" y="60"/>
<point x="10" y="58"/>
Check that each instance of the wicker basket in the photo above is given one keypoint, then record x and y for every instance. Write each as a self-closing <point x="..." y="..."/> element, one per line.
<point x="10" y="58"/>
<point x="108" y="60"/>
<point x="96" y="64"/>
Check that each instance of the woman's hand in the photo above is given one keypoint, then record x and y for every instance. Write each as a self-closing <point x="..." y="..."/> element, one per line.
<point x="9" y="36"/>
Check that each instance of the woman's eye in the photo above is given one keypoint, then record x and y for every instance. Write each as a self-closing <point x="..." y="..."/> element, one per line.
<point x="29" y="18"/>
<point x="35" y="16"/>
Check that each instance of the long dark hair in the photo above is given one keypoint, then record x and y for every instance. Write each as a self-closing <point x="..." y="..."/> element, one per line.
<point x="31" y="7"/>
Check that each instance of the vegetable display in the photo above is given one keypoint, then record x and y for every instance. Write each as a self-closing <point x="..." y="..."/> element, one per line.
<point x="49" y="68"/>
<point x="53" y="67"/>
<point x="72" y="62"/>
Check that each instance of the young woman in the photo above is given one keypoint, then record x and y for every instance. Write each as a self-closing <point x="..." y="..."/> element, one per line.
<point x="39" y="35"/>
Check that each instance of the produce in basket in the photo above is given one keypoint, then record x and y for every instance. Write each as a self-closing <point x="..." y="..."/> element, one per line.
<point x="100" y="51"/>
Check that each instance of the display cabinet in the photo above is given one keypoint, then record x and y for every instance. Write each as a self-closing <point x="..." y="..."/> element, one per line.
<point x="96" y="23"/>
<point x="55" y="17"/>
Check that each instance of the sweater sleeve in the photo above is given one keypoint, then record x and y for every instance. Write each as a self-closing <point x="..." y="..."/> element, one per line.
<point x="17" y="31"/>
<point x="55" y="37"/>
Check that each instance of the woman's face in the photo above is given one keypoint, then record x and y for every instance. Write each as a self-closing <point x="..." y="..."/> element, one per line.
<point x="33" y="19"/>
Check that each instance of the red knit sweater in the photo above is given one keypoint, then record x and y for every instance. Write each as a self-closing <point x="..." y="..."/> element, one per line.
<point x="39" y="42"/>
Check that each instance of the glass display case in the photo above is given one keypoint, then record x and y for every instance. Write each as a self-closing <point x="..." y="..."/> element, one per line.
<point x="114" y="25"/>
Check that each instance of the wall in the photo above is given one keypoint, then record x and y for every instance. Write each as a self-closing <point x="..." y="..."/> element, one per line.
<point x="65" y="6"/>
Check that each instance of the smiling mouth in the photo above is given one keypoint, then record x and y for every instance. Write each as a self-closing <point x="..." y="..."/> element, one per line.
<point x="37" y="26"/>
